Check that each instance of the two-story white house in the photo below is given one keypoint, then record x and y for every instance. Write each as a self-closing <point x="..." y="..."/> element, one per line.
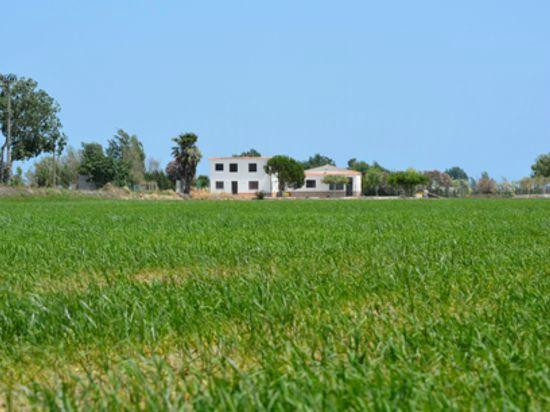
<point x="240" y="175"/>
<point x="246" y="175"/>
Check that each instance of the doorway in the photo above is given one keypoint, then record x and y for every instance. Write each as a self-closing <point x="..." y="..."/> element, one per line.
<point x="349" y="187"/>
<point x="234" y="187"/>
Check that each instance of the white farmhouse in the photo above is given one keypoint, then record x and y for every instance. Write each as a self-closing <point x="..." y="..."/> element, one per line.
<point x="240" y="175"/>
<point x="314" y="185"/>
<point x="246" y="176"/>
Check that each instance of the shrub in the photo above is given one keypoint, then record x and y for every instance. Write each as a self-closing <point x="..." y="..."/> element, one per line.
<point x="260" y="195"/>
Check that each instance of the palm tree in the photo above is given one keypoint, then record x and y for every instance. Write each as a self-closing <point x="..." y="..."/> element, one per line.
<point x="186" y="156"/>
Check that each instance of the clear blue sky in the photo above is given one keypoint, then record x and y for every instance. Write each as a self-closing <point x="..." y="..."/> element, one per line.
<point x="424" y="84"/>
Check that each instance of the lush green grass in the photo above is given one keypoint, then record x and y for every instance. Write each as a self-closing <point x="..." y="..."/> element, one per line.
<point x="275" y="305"/>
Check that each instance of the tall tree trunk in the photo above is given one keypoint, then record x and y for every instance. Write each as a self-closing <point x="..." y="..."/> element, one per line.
<point x="6" y="175"/>
<point x="3" y="150"/>
<point x="54" y="166"/>
<point x="281" y="187"/>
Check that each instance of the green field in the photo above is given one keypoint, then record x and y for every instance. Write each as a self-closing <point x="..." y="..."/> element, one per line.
<point x="274" y="305"/>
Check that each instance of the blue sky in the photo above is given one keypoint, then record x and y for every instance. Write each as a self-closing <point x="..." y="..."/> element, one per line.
<point x="424" y="84"/>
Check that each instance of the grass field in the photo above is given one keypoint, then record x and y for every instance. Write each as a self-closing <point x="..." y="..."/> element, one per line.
<point x="274" y="305"/>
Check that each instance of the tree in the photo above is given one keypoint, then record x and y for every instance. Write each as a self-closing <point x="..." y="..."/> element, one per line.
<point x="541" y="167"/>
<point x="438" y="182"/>
<point x="407" y="180"/>
<point x="335" y="180"/>
<point x="68" y="168"/>
<point x="95" y="165"/>
<point x="186" y="157"/>
<point x="372" y="180"/>
<point x="29" y="122"/>
<point x="154" y="174"/>
<point x="249" y="153"/>
<point x="534" y="185"/>
<point x="456" y="173"/>
<point x="380" y="167"/>
<point x="202" y="182"/>
<point x="161" y="179"/>
<point x="51" y="171"/>
<point x="289" y="172"/>
<point x="460" y="187"/>
<point x="172" y="171"/>
<point x="153" y="165"/>
<point x="128" y="158"/>
<point x="42" y="173"/>
<point x="17" y="178"/>
<point x="317" y="160"/>
<point x="486" y="185"/>
<point x="360" y="166"/>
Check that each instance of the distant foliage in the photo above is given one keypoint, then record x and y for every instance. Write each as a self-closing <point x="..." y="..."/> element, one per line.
<point x="127" y="157"/>
<point x="460" y="188"/>
<point x="438" y="182"/>
<point x="65" y="168"/>
<point x="17" y="178"/>
<point x="541" y="167"/>
<point x="486" y="185"/>
<point x="456" y="173"/>
<point x="316" y="161"/>
<point x="249" y="153"/>
<point x="534" y="185"/>
<point x="95" y="165"/>
<point x="373" y="181"/>
<point x="202" y="182"/>
<point x="407" y="180"/>
<point x="161" y="179"/>
<point x="358" y="165"/>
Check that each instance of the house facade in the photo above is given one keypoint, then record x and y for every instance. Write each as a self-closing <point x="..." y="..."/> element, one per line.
<point x="240" y="175"/>
<point x="315" y="186"/>
<point x="246" y="176"/>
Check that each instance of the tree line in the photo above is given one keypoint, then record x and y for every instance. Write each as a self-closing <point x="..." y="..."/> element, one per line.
<point x="30" y="127"/>
<point x="121" y="163"/>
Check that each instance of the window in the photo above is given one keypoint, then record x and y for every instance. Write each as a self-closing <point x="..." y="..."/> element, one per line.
<point x="336" y="186"/>
<point x="311" y="183"/>
<point x="219" y="167"/>
<point x="233" y="167"/>
<point x="252" y="167"/>
<point x="219" y="185"/>
<point x="253" y="185"/>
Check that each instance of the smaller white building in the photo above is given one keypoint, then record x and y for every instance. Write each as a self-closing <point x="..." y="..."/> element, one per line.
<point x="315" y="187"/>
<point x="240" y="175"/>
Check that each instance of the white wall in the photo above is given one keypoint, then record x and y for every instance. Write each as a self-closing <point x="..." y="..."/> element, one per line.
<point x="357" y="187"/>
<point x="242" y="176"/>
<point x="323" y="187"/>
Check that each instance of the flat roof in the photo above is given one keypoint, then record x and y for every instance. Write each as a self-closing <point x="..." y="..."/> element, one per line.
<point x="330" y="170"/>
<point x="333" y="172"/>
